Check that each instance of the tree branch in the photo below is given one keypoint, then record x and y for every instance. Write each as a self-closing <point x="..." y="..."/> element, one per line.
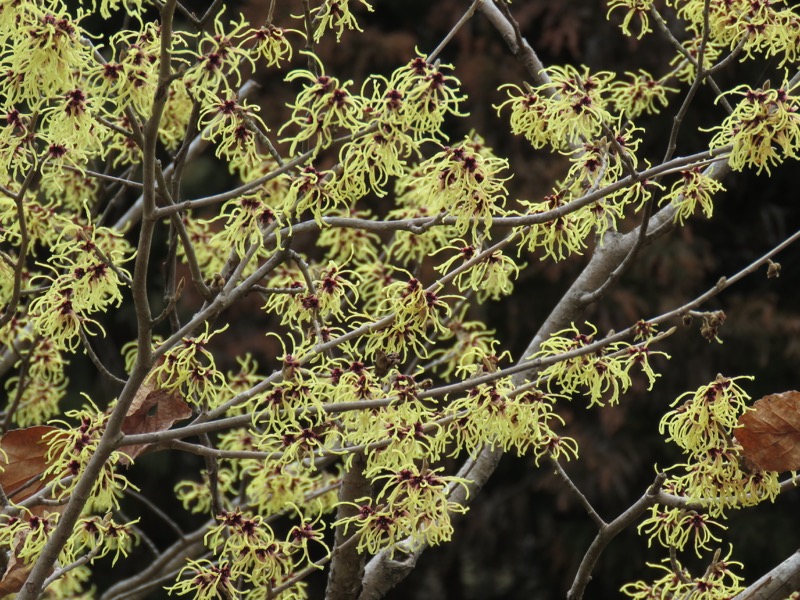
<point x="80" y="495"/>
<point x="778" y="584"/>
<point x="608" y="533"/>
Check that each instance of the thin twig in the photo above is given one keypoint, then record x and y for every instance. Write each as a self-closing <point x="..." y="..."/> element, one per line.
<point x="59" y="573"/>
<point x="22" y="250"/>
<point x="87" y="346"/>
<point x="256" y="183"/>
<point x="103" y="176"/>
<point x="698" y="79"/>
<point x="315" y="317"/>
<point x="587" y="506"/>
<point x="209" y="14"/>
<point x="451" y="34"/>
<point x="22" y="383"/>
<point x="155" y="510"/>
<point x="608" y="533"/>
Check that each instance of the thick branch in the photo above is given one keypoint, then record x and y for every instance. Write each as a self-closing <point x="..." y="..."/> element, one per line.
<point x="778" y="584"/>
<point x="347" y="565"/>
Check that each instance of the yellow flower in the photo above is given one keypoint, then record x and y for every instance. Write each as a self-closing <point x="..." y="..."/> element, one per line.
<point x="576" y="107"/>
<point x="692" y="190"/>
<point x="321" y="108"/>
<point x="528" y="114"/>
<point x="335" y="15"/>
<point x="643" y="95"/>
<point x="270" y="44"/>
<point x="635" y="8"/>
<point x="463" y="181"/>
<point x="206" y="581"/>
<point x="764" y="128"/>
<point x="420" y="95"/>
<point x="218" y="56"/>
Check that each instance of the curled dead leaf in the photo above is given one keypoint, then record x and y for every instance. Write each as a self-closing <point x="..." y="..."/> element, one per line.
<point x="770" y="432"/>
<point x="15" y="575"/>
<point x="23" y="460"/>
<point x="152" y="410"/>
<point x="17" y="570"/>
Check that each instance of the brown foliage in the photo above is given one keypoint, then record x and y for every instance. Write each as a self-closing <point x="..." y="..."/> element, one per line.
<point x="152" y="410"/>
<point x="770" y="432"/>
<point x="23" y="460"/>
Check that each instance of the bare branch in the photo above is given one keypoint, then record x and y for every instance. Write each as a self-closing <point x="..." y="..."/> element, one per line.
<point x="778" y="584"/>
<point x="608" y="533"/>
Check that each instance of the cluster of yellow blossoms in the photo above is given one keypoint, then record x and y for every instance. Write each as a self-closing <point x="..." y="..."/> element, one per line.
<point x="364" y="333"/>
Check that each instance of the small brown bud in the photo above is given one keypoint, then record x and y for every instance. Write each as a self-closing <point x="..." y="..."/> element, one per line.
<point x="711" y="323"/>
<point x="216" y="282"/>
<point x="489" y="363"/>
<point x="773" y="270"/>
<point x="384" y="362"/>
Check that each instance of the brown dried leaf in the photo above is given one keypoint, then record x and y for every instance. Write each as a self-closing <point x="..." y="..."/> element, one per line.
<point x="17" y="571"/>
<point x="23" y="461"/>
<point x="152" y="410"/>
<point x="15" y="576"/>
<point x="770" y="432"/>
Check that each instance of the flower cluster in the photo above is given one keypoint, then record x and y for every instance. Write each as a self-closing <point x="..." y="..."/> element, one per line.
<point x="371" y="159"/>
<point x="39" y="391"/>
<point x="335" y="15"/>
<point x="714" y="478"/>
<point x="398" y="435"/>
<point x="323" y="107"/>
<point x="43" y="54"/>
<point x="523" y="421"/>
<point x="130" y="78"/>
<point x="464" y="181"/>
<point x="239" y="534"/>
<point x="759" y="25"/>
<point x="694" y="189"/>
<point x="572" y="106"/>
<point x="189" y="367"/>
<point x="414" y="311"/>
<point x="642" y="95"/>
<point x="703" y="424"/>
<point x="490" y="278"/>
<point x="69" y="451"/>
<point x="216" y="56"/>
<point x="602" y="374"/>
<point x="332" y="291"/>
<point x="99" y="537"/>
<point x="413" y="508"/>
<point x="719" y="582"/>
<point x="232" y="126"/>
<point x="419" y="96"/>
<point x="88" y="280"/>
<point x="763" y="130"/>
<point x="635" y="8"/>
<point x="27" y="533"/>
